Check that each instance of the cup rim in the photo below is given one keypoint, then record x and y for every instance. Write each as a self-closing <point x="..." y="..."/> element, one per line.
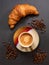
<point x="20" y="41"/>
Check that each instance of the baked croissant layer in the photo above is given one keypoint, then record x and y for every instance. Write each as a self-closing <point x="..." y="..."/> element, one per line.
<point x="19" y="11"/>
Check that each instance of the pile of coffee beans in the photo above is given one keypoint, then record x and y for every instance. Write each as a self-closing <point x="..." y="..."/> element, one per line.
<point x="11" y="52"/>
<point x="38" y="24"/>
<point x="39" y="56"/>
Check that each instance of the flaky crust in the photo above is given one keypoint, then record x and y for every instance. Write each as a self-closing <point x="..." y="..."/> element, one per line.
<point x="19" y="11"/>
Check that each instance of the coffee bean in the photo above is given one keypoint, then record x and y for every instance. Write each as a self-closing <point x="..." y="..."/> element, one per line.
<point x="39" y="56"/>
<point x="38" y="24"/>
<point x="11" y="52"/>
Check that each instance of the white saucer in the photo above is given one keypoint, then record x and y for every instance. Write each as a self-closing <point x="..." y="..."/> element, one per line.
<point x="35" y="40"/>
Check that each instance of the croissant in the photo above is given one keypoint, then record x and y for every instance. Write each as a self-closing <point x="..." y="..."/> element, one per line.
<point x="19" y="11"/>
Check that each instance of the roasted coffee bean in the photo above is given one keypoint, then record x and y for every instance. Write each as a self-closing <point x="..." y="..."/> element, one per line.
<point x="39" y="50"/>
<point x="38" y="24"/>
<point x="11" y="52"/>
<point x="39" y="56"/>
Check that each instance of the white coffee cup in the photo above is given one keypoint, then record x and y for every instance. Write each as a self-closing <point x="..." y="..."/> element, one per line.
<point x="21" y="42"/>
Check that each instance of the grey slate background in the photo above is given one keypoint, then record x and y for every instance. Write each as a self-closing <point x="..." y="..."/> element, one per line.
<point x="6" y="33"/>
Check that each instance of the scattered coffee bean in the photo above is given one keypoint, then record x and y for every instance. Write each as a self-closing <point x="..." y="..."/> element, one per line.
<point x="11" y="52"/>
<point x="39" y="56"/>
<point x="38" y="24"/>
<point x="39" y="50"/>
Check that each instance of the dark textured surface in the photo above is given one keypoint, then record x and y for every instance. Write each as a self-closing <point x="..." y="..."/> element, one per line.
<point x="6" y="33"/>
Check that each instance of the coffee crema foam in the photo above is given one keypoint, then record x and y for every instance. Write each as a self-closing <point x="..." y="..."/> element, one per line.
<point x="26" y="39"/>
